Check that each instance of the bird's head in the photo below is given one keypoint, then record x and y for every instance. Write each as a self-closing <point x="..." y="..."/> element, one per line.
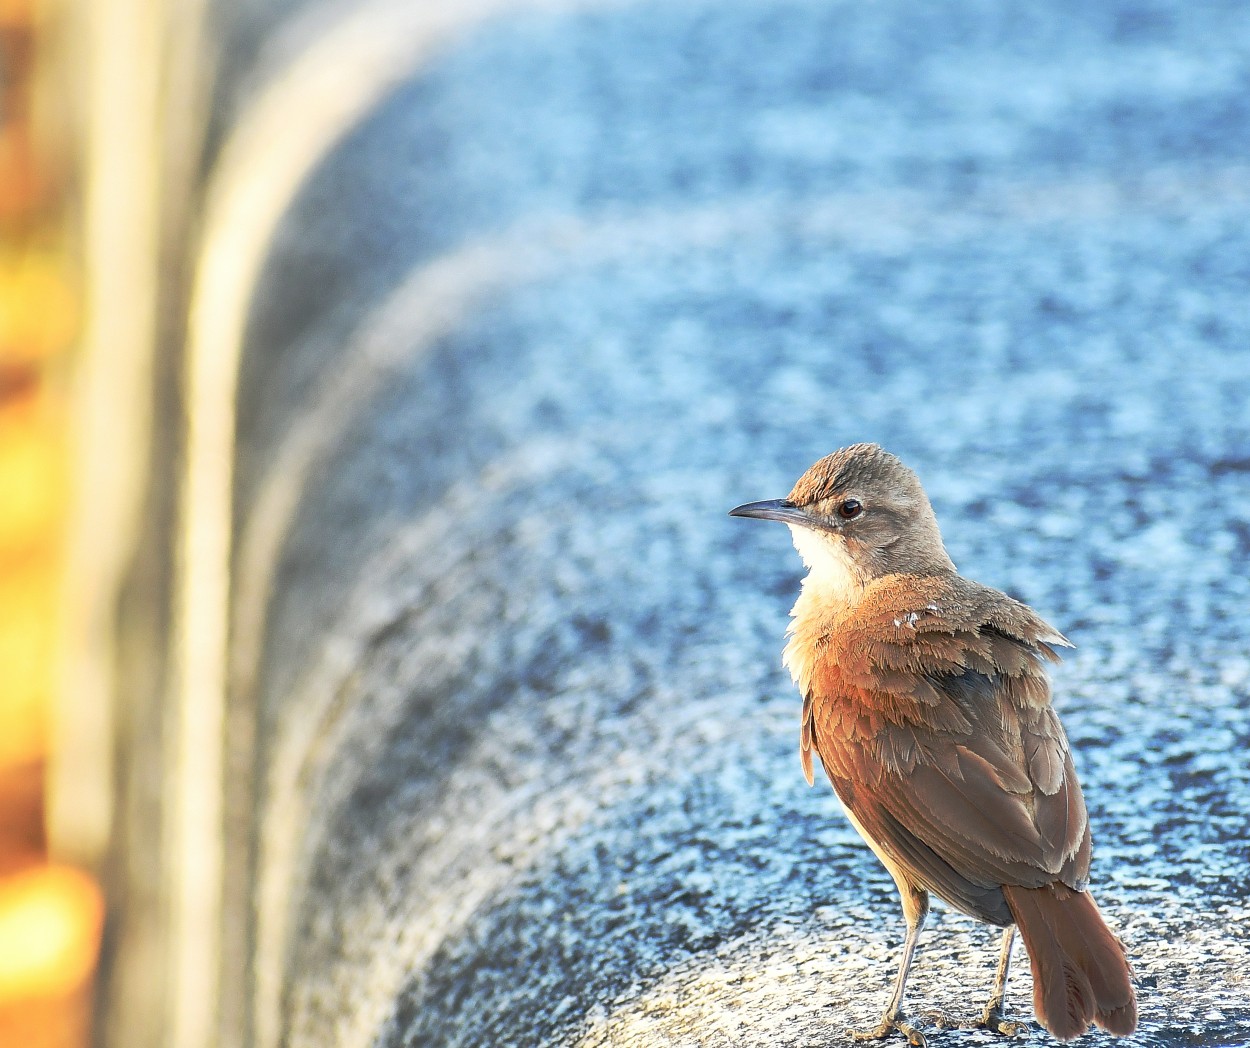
<point x="858" y="515"/>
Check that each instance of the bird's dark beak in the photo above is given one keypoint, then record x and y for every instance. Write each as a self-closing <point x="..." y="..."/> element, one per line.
<point x="774" y="509"/>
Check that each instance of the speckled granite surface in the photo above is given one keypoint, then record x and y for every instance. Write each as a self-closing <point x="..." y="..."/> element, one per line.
<point x="551" y="794"/>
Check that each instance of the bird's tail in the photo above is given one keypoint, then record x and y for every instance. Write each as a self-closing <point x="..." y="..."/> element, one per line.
<point x="1080" y="972"/>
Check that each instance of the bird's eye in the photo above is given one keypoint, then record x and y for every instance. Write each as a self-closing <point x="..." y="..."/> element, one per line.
<point x="850" y="509"/>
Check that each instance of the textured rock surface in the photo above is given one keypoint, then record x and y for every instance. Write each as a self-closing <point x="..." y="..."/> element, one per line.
<point x="529" y="758"/>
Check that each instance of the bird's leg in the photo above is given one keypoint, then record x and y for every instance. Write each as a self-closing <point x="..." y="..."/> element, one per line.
<point x="915" y="909"/>
<point x="992" y="1018"/>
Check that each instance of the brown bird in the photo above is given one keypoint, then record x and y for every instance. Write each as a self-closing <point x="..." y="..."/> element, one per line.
<point x="926" y="700"/>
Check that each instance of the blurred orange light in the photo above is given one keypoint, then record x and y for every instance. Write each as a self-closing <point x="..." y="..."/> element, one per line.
<point x="27" y="652"/>
<point x="50" y="921"/>
<point x="32" y="481"/>
<point x="38" y="310"/>
<point x="50" y="925"/>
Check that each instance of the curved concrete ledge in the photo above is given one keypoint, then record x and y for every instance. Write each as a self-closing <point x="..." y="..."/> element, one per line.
<point x="331" y="63"/>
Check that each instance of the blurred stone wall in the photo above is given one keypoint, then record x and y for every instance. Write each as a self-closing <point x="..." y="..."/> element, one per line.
<point x="476" y="730"/>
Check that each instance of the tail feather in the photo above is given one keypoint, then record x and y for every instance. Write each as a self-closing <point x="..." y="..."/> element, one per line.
<point x="1080" y="972"/>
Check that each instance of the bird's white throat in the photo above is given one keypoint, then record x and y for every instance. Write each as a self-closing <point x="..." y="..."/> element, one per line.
<point x="830" y="570"/>
<point x="832" y="583"/>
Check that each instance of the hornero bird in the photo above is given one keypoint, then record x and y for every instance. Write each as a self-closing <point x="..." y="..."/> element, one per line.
<point x="926" y="699"/>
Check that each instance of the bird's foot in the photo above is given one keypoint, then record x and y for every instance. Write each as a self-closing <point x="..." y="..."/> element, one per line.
<point x="890" y="1024"/>
<point x="993" y="1019"/>
<point x="944" y="1020"/>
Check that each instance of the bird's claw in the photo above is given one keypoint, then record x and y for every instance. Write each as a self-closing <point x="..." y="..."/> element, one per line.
<point x="890" y="1024"/>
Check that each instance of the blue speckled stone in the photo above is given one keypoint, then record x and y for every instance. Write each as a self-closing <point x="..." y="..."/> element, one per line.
<point x="559" y="800"/>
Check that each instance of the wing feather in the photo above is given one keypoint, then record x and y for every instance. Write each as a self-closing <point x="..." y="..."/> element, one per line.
<point x="930" y="711"/>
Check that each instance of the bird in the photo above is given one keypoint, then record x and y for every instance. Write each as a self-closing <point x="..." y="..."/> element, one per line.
<point x="927" y="702"/>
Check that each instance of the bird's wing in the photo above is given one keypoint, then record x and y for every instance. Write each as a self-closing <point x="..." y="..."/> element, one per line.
<point x="930" y="711"/>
